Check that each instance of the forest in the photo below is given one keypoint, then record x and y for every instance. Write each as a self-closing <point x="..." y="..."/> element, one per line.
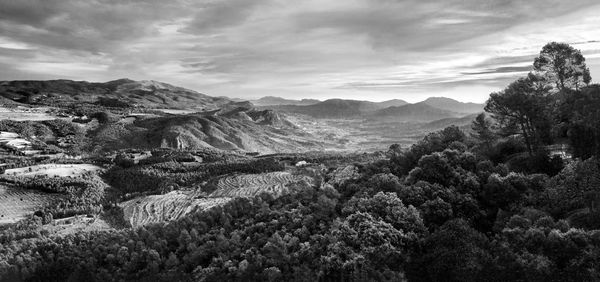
<point x="517" y="198"/>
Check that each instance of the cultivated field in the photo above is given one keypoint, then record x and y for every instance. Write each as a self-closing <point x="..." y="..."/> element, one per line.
<point x="160" y="208"/>
<point x="176" y="204"/>
<point x="19" y="203"/>
<point x="249" y="185"/>
<point x="51" y="170"/>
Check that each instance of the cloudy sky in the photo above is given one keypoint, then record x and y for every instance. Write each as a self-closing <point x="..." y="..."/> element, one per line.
<point x="356" y="49"/>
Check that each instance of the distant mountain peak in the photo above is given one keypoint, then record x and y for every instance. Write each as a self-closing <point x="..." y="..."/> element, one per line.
<point x="279" y="101"/>
<point x="450" y="104"/>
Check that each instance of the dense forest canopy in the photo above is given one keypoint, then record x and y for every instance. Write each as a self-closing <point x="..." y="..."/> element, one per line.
<point x="500" y="203"/>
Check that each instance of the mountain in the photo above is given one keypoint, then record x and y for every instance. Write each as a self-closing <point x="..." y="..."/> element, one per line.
<point x="338" y="108"/>
<point x="217" y="122"/>
<point x="453" y="105"/>
<point x="419" y="112"/>
<point x="276" y="101"/>
<point x="237" y="130"/>
<point x="122" y="92"/>
<point x="391" y="103"/>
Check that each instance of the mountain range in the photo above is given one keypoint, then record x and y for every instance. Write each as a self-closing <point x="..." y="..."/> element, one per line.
<point x="427" y="110"/>
<point x="145" y="93"/>
<point x="275" y="101"/>
<point x="191" y="120"/>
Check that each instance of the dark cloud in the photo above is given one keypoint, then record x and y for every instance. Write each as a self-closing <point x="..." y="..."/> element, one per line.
<point x="219" y="14"/>
<point x="276" y="46"/>
<point x="431" y="25"/>
<point x="519" y="69"/>
<point x="82" y="25"/>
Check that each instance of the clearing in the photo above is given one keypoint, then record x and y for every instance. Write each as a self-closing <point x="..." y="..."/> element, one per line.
<point x="22" y="114"/>
<point x="52" y="170"/>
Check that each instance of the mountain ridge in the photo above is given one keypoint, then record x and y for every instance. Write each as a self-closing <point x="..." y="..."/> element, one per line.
<point x="127" y="92"/>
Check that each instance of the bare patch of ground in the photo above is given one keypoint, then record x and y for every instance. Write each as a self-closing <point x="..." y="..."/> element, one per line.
<point x="52" y="170"/>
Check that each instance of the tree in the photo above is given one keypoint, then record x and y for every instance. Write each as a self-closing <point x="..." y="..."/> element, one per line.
<point x="433" y="168"/>
<point x="562" y="66"/>
<point x="522" y="106"/>
<point x="482" y="130"/>
<point x="580" y="115"/>
<point x="455" y="252"/>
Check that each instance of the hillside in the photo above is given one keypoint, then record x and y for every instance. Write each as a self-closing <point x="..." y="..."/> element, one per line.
<point x="122" y="92"/>
<point x="419" y="112"/>
<point x="255" y="131"/>
<point x="277" y="101"/>
<point x="428" y="110"/>
<point x="339" y="108"/>
<point x="453" y="105"/>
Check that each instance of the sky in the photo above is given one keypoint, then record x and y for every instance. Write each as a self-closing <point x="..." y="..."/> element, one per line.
<point x="355" y="49"/>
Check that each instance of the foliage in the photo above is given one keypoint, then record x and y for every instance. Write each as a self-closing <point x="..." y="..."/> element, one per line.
<point x="83" y="194"/>
<point x="522" y="106"/>
<point x="562" y="66"/>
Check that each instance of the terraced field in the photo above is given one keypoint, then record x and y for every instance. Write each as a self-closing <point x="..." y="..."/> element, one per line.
<point x="52" y="170"/>
<point x="171" y="206"/>
<point x="18" y="203"/>
<point x="176" y="204"/>
<point x="249" y="185"/>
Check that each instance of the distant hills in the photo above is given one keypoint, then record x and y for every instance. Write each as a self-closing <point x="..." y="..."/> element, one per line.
<point x="338" y="108"/>
<point x="145" y="93"/>
<point x="261" y="125"/>
<point x="428" y="110"/>
<point x="419" y="112"/>
<point x="453" y="105"/>
<point x="204" y="122"/>
<point x="276" y="101"/>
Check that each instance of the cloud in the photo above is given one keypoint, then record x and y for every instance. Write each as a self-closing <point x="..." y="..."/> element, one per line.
<point x="512" y="69"/>
<point x="220" y="14"/>
<point x="92" y="26"/>
<point x="312" y="48"/>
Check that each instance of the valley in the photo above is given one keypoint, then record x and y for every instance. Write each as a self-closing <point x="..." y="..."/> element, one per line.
<point x="301" y="141"/>
<point x="81" y="158"/>
<point x="58" y="135"/>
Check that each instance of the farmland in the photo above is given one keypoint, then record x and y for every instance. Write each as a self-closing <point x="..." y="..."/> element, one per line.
<point x="18" y="203"/>
<point x="176" y="204"/>
<point x="249" y="185"/>
<point x="168" y="207"/>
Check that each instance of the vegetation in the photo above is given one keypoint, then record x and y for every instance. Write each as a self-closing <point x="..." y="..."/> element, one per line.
<point x="83" y="194"/>
<point x="493" y="205"/>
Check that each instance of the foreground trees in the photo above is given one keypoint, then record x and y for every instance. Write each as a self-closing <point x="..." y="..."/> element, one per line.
<point x="553" y="102"/>
<point x="562" y="66"/>
<point x="521" y="109"/>
<point x="579" y="115"/>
